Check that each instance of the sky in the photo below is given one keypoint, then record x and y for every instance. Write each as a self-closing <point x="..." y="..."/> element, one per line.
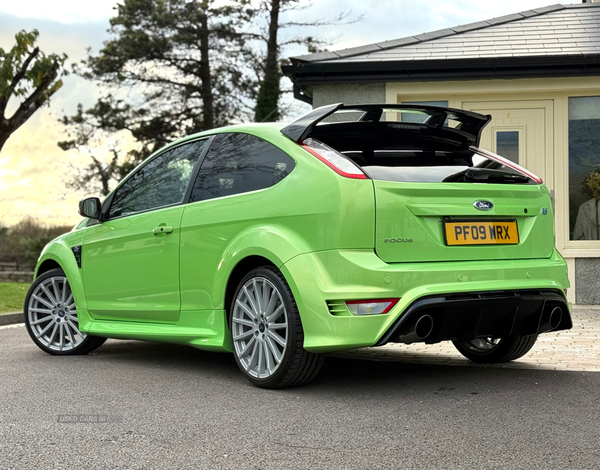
<point x="33" y="169"/>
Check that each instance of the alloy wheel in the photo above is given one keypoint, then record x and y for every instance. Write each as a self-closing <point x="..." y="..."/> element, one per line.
<point x="259" y="327"/>
<point x="52" y="315"/>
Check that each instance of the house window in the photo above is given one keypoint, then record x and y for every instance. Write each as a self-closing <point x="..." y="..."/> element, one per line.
<point x="443" y="104"/>
<point x="584" y="168"/>
<point x="507" y="145"/>
<point x="414" y="117"/>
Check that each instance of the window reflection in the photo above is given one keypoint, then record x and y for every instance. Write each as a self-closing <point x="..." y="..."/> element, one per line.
<point x="238" y="163"/>
<point x="161" y="182"/>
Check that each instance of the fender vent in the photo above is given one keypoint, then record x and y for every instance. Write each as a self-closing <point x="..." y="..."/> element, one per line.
<point x="77" y="253"/>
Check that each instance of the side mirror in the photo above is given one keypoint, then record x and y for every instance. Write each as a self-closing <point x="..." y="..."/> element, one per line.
<point x="90" y="207"/>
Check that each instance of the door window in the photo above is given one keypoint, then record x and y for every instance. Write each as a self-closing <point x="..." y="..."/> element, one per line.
<point x="237" y="163"/>
<point x="160" y="182"/>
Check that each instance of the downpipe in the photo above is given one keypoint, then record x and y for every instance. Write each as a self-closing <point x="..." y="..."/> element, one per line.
<point x="551" y="318"/>
<point x="419" y="331"/>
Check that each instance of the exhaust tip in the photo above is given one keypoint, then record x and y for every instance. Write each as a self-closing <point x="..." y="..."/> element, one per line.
<point x="551" y="319"/>
<point x="424" y="326"/>
<point x="555" y="317"/>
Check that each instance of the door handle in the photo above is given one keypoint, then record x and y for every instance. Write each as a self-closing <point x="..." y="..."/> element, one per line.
<point x="162" y="229"/>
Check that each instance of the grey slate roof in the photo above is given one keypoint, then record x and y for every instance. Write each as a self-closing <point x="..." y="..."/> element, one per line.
<point x="550" y="31"/>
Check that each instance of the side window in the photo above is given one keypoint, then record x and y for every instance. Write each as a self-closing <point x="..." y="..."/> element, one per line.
<point x="160" y="182"/>
<point x="237" y="163"/>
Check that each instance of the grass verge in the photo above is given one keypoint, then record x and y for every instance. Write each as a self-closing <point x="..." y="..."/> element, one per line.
<point x="12" y="296"/>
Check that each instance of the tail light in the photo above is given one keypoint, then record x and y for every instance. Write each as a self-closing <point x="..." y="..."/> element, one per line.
<point x="333" y="159"/>
<point x="370" y="307"/>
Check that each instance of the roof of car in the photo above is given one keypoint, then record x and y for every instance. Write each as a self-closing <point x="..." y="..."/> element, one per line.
<point x="245" y="127"/>
<point x="259" y="129"/>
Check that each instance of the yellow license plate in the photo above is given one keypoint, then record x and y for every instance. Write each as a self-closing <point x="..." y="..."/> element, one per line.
<point x="469" y="232"/>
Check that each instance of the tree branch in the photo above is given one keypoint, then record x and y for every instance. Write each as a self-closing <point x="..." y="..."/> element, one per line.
<point x="16" y="79"/>
<point x="35" y="100"/>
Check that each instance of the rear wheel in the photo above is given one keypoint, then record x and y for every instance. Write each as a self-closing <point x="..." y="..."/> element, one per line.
<point x="51" y="317"/>
<point x="266" y="332"/>
<point x="494" y="350"/>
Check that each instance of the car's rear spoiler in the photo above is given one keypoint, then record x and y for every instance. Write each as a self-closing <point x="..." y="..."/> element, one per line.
<point x="470" y="127"/>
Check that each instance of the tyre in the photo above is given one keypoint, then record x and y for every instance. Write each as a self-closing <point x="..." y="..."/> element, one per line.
<point x="51" y="317"/>
<point x="488" y="350"/>
<point x="266" y="332"/>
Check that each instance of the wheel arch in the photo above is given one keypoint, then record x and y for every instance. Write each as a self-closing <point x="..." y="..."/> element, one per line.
<point x="47" y="265"/>
<point x="59" y="255"/>
<point x="266" y="245"/>
<point x="243" y="267"/>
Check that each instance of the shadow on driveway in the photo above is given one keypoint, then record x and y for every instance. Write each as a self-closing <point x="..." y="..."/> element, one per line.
<point x="338" y="373"/>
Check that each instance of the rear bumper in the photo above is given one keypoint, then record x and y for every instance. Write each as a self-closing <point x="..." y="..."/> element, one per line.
<point x="464" y="317"/>
<point x="322" y="279"/>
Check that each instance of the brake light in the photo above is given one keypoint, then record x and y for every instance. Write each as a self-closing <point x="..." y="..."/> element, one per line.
<point x="507" y="162"/>
<point x="370" y="307"/>
<point x="333" y="159"/>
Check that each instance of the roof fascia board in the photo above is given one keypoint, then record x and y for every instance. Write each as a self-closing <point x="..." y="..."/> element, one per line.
<point x="437" y="70"/>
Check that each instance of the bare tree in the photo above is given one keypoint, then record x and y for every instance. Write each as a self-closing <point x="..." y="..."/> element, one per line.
<point x="268" y="64"/>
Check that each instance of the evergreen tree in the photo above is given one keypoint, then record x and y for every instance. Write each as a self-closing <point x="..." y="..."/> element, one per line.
<point x="170" y="68"/>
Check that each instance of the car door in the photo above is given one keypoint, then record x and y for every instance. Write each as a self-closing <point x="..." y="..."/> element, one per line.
<point x="130" y="262"/>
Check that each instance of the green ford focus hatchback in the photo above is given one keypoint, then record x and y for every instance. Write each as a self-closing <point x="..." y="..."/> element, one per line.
<point x="353" y="226"/>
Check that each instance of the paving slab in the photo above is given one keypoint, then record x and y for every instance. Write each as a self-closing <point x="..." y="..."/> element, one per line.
<point x="577" y="349"/>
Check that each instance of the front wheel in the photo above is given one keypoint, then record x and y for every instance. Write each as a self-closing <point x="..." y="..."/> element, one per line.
<point x="267" y="334"/>
<point x="495" y="350"/>
<point x="51" y="317"/>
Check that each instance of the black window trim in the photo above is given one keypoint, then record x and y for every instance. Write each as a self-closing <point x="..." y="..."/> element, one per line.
<point x="186" y="195"/>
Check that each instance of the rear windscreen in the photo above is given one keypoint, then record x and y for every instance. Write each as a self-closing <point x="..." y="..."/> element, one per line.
<point x="416" y="154"/>
<point x="409" y="165"/>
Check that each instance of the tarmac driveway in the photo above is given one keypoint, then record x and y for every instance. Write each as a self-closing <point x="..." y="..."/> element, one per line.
<point x="152" y="406"/>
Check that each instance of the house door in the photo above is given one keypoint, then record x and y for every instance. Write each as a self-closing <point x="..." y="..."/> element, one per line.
<point x="520" y="131"/>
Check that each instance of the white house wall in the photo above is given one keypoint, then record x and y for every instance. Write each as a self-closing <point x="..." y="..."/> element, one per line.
<point x="354" y="93"/>
<point x="583" y="257"/>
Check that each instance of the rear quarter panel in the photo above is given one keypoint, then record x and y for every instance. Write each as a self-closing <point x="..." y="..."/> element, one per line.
<point x="312" y="209"/>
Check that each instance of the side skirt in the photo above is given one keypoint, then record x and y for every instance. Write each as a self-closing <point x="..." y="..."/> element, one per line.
<point x="202" y="329"/>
